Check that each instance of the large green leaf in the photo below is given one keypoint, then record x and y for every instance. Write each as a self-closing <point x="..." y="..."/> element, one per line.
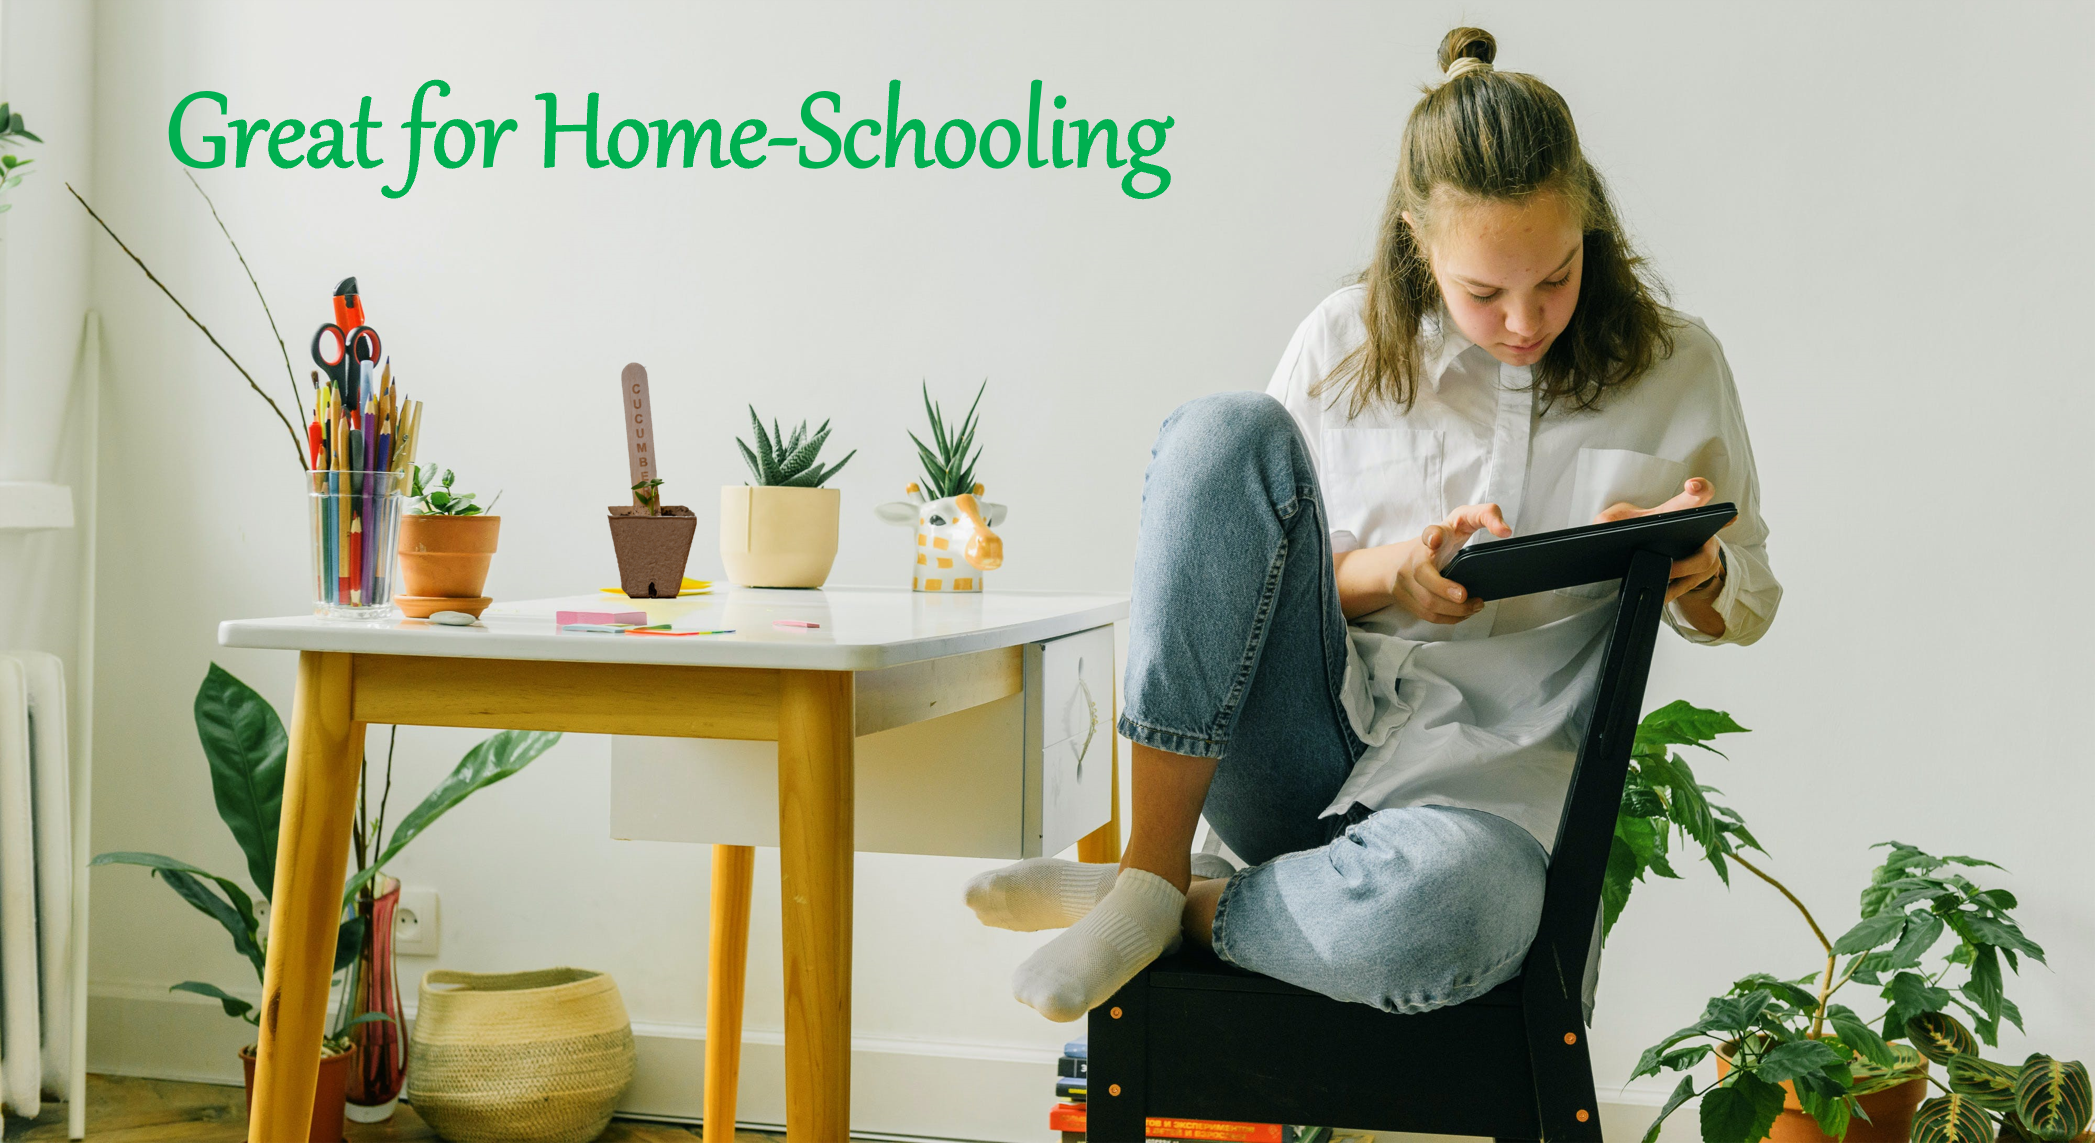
<point x="1983" y="930"/>
<point x="235" y="911"/>
<point x="246" y="745"/>
<point x="1923" y="929"/>
<point x="1681" y="723"/>
<point x="1952" y="1118"/>
<point x="1990" y="1085"/>
<point x="1870" y="932"/>
<point x="1861" y="1037"/>
<point x="492" y="760"/>
<point x="2052" y="1098"/>
<point x="1741" y="1110"/>
<point x="1984" y="990"/>
<point x="349" y="940"/>
<point x="1941" y="1036"/>
<point x="1796" y="1058"/>
<point x="1832" y="1108"/>
<point x="1910" y="995"/>
<point x="233" y="1005"/>
<point x="1682" y="1092"/>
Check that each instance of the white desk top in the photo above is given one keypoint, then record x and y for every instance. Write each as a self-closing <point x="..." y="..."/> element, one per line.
<point x="862" y="628"/>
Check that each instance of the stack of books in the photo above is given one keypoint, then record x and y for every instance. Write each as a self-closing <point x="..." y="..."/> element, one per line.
<point x="1072" y="1090"/>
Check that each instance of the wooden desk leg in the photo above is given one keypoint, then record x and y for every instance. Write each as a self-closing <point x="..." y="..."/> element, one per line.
<point x="312" y="851"/>
<point x="733" y="867"/>
<point x="815" y="823"/>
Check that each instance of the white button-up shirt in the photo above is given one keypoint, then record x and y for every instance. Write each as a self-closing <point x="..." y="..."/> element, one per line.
<point x="1490" y="711"/>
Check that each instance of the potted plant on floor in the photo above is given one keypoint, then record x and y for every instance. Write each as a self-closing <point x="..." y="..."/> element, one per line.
<point x="1792" y="1064"/>
<point x="445" y="549"/>
<point x="246" y="747"/>
<point x="955" y="547"/>
<point x="781" y="531"/>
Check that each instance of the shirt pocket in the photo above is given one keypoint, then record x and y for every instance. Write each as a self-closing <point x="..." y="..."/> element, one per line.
<point x="1382" y="484"/>
<point x="1609" y="476"/>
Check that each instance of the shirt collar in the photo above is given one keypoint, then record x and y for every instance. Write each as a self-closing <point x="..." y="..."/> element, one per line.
<point x="1445" y="344"/>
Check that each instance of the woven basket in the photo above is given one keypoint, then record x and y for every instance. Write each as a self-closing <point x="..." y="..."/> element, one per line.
<point x="519" y="1057"/>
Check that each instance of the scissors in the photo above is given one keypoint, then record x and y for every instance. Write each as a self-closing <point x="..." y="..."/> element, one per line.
<point x="342" y="354"/>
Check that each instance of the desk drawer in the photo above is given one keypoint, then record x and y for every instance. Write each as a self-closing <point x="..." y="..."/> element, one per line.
<point x="1013" y="777"/>
<point x="1069" y="739"/>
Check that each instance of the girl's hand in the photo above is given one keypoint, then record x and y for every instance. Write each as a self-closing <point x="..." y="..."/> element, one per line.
<point x="1702" y="572"/>
<point x="1407" y="574"/>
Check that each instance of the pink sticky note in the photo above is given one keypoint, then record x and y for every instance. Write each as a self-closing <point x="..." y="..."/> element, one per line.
<point x="566" y="617"/>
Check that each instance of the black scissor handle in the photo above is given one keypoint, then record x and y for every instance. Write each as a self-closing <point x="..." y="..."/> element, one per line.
<point x="333" y="349"/>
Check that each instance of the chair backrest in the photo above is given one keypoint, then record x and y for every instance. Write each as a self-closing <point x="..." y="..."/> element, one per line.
<point x="1567" y="939"/>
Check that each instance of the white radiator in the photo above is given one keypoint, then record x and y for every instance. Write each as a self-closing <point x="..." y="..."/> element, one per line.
<point x="36" y="893"/>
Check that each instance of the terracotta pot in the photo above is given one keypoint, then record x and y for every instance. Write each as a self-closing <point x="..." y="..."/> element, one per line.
<point x="446" y="556"/>
<point x="330" y="1093"/>
<point x="652" y="550"/>
<point x="778" y="537"/>
<point x="1890" y="1113"/>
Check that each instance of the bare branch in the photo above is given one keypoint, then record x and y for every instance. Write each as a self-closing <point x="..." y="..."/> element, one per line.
<point x="298" y="443"/>
<point x="296" y="403"/>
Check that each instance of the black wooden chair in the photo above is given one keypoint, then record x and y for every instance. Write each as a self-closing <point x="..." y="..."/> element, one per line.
<point x="1192" y="1037"/>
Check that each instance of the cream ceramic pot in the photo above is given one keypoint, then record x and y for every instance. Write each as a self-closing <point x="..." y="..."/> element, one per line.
<point x="954" y="542"/>
<point x="778" y="537"/>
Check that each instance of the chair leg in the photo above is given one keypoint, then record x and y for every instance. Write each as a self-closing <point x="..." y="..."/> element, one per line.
<point x="1118" y="1110"/>
<point x="1566" y="1102"/>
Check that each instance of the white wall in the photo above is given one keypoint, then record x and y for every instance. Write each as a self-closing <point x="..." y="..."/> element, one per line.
<point x="46" y="72"/>
<point x="1880" y="211"/>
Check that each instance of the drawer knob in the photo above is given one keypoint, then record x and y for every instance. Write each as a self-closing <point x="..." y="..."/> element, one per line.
<point x="1091" y="730"/>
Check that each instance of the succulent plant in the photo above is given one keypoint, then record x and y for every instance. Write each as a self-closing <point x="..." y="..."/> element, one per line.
<point x="948" y="469"/>
<point x="788" y="462"/>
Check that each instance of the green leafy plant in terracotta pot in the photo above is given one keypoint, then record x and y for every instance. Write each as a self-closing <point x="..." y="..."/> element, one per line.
<point x="1792" y="1062"/>
<point x="1795" y="1065"/>
<point x="247" y="749"/>
<point x="446" y="548"/>
<point x="781" y="530"/>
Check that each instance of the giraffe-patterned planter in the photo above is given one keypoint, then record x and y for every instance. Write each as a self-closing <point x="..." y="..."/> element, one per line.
<point x="954" y="544"/>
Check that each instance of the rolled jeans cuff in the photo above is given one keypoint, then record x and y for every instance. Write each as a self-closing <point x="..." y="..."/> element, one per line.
<point x="1169" y="741"/>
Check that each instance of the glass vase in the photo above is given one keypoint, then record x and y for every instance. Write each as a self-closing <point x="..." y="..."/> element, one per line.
<point x="373" y="987"/>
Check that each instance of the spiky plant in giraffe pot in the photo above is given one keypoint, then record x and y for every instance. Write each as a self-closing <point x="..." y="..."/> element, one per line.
<point x="955" y="547"/>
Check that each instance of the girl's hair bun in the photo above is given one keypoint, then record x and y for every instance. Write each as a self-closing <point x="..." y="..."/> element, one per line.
<point x="1466" y="43"/>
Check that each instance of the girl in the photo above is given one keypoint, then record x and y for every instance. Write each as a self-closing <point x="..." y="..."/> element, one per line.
<point x="1395" y="784"/>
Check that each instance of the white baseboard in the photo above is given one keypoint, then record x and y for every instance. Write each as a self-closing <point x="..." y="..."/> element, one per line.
<point x="900" y="1089"/>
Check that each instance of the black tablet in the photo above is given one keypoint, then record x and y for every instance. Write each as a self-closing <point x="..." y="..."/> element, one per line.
<point x="1549" y="561"/>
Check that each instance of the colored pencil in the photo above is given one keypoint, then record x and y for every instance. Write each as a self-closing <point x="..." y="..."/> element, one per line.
<point x="341" y="516"/>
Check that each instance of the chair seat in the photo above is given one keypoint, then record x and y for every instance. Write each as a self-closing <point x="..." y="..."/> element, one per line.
<point x="1251" y="1048"/>
<point x="1192" y="967"/>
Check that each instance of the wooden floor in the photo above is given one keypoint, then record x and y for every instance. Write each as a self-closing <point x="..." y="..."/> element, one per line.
<point x="122" y="1110"/>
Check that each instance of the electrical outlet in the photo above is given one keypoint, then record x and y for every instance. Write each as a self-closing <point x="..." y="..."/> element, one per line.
<point x="415" y="931"/>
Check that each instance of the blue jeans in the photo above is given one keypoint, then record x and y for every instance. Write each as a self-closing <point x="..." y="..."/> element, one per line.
<point x="1237" y="650"/>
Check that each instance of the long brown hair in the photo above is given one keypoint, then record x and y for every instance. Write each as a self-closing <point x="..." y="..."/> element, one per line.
<point x="1487" y="135"/>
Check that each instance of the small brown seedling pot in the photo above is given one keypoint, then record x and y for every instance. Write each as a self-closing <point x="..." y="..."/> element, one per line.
<point x="652" y="550"/>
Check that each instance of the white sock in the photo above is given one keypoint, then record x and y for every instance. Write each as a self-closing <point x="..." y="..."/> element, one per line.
<point x="1078" y="970"/>
<point x="1039" y="893"/>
